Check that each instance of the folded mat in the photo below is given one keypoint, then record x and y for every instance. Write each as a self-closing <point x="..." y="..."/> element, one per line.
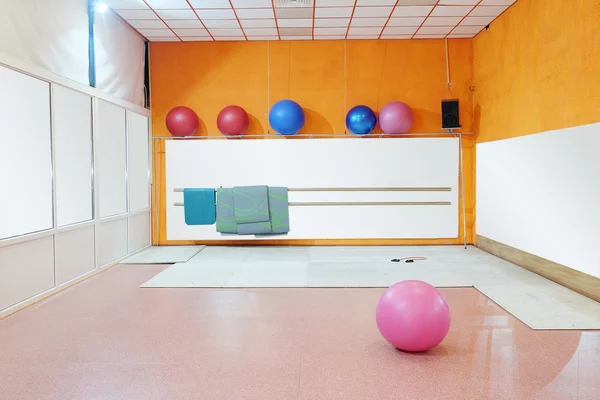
<point x="254" y="228"/>
<point x="251" y="204"/>
<point x="279" y="209"/>
<point x="225" y="213"/>
<point x="199" y="206"/>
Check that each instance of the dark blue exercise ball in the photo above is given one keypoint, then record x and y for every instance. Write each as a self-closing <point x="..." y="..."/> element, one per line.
<point x="361" y="120"/>
<point x="286" y="117"/>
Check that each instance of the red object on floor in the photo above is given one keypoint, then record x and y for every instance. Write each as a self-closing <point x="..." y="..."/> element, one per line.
<point x="106" y="338"/>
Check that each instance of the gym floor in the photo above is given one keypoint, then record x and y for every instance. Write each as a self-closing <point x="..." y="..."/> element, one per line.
<point x="108" y="339"/>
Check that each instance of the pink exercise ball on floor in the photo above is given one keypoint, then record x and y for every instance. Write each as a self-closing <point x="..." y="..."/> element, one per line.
<point x="413" y="316"/>
<point x="233" y="121"/>
<point x="182" y="121"/>
<point x="396" y="117"/>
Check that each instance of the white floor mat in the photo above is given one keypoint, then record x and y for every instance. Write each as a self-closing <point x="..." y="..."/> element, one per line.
<point x="536" y="301"/>
<point x="164" y="255"/>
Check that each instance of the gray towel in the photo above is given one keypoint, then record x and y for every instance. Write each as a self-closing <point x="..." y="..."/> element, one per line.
<point x="278" y="204"/>
<point x="225" y="211"/>
<point x="251" y="204"/>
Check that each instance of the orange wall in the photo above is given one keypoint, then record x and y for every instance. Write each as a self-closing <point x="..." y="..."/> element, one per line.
<point x="325" y="77"/>
<point x="538" y="69"/>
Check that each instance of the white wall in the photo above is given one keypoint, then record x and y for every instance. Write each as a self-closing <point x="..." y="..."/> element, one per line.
<point x="325" y="163"/>
<point x="55" y="173"/>
<point x="541" y="194"/>
<point x="53" y="34"/>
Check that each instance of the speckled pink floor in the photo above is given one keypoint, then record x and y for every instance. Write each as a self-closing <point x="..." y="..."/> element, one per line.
<point x="108" y="339"/>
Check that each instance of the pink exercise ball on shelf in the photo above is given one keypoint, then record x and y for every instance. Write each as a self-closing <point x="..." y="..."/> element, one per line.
<point x="396" y="117"/>
<point x="182" y="121"/>
<point x="233" y="121"/>
<point x="413" y="316"/>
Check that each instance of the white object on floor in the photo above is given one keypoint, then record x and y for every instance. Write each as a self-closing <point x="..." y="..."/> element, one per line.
<point x="536" y="301"/>
<point x="164" y="255"/>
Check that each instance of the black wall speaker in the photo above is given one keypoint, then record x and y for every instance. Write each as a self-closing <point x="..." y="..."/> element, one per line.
<point x="450" y="114"/>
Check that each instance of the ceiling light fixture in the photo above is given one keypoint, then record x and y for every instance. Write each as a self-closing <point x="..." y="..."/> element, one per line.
<point x="101" y="7"/>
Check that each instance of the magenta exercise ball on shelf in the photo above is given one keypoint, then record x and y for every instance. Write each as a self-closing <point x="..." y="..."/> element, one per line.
<point x="182" y="121"/>
<point x="396" y="117"/>
<point x="413" y="316"/>
<point x="233" y="121"/>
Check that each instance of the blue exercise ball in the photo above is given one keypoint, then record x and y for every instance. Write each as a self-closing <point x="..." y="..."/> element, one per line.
<point x="286" y="117"/>
<point x="361" y="120"/>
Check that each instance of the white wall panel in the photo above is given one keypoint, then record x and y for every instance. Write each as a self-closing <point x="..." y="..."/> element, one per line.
<point x="139" y="231"/>
<point x="74" y="254"/>
<point x="72" y="113"/>
<point x="541" y="194"/>
<point x="25" y="154"/>
<point x="138" y="157"/>
<point x="26" y="269"/>
<point x="325" y="163"/>
<point x="111" y="241"/>
<point x="111" y="159"/>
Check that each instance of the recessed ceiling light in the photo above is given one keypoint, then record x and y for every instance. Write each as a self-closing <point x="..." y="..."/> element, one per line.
<point x="101" y="7"/>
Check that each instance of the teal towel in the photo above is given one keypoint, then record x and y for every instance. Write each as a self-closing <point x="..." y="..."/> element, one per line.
<point x="199" y="206"/>
<point x="251" y="204"/>
<point x="225" y="214"/>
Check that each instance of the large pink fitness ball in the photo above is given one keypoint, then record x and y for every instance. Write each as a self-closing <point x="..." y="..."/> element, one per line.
<point x="396" y="117"/>
<point x="413" y="316"/>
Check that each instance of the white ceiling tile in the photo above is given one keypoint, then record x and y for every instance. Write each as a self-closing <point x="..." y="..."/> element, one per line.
<point x="191" y="32"/>
<point x="263" y="37"/>
<point x="330" y="31"/>
<point x="496" y="2"/>
<point x="384" y="36"/>
<point x="369" y="22"/>
<point x="176" y="14"/>
<point x="435" y="30"/>
<point x="361" y="12"/>
<point x="334" y="3"/>
<point x="408" y="21"/>
<point x="147" y="24"/>
<point x="252" y="3"/>
<point x="294" y="12"/>
<point x="296" y="38"/>
<point x="467" y="29"/>
<point x="257" y="23"/>
<point x="168" y="4"/>
<point x="294" y="23"/>
<point x="487" y="11"/>
<point x="400" y="30"/>
<point x="221" y="23"/>
<point x="137" y="14"/>
<point x="184" y="23"/>
<point x="210" y="3"/>
<point x="335" y="12"/>
<point x="230" y="38"/>
<point x="442" y="21"/>
<point x="360" y="30"/>
<point x="126" y="4"/>
<point x="459" y="36"/>
<point x="249" y="13"/>
<point x="429" y="36"/>
<point x="226" y="32"/>
<point x="163" y="39"/>
<point x="412" y="11"/>
<point x="417" y="2"/>
<point x="477" y="20"/>
<point x="332" y="22"/>
<point x="340" y="37"/>
<point x="357" y="37"/>
<point x="157" y="32"/>
<point x="196" y="39"/>
<point x="375" y="3"/>
<point x="458" y="2"/>
<point x="451" y="11"/>
<point x="260" y="31"/>
<point x="215" y="14"/>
